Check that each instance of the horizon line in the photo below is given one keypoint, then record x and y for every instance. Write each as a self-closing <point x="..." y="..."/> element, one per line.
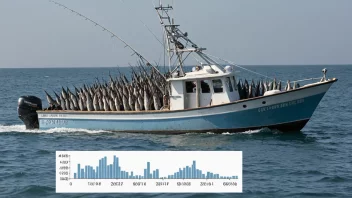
<point x="74" y="67"/>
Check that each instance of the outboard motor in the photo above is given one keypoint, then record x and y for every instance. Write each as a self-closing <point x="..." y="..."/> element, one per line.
<point x="27" y="111"/>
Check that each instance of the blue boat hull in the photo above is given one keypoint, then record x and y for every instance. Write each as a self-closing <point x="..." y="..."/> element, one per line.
<point x="287" y="111"/>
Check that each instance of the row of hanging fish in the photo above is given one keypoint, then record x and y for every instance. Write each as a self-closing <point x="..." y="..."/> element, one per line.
<point x="146" y="91"/>
<point x="253" y="89"/>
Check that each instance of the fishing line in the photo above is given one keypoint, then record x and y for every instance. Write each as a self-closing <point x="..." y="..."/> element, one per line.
<point x="135" y="52"/>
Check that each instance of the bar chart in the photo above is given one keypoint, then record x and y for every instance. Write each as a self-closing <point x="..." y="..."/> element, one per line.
<point x="148" y="171"/>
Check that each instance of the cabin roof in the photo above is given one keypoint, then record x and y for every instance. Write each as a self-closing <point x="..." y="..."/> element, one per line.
<point x="203" y="76"/>
<point x="206" y="72"/>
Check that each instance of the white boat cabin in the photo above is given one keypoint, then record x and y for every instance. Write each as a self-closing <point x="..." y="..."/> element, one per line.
<point x="203" y="87"/>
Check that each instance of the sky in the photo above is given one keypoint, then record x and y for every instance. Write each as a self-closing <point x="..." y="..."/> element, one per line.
<point x="37" y="33"/>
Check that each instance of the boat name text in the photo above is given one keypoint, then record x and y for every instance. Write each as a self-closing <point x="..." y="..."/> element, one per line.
<point x="282" y="105"/>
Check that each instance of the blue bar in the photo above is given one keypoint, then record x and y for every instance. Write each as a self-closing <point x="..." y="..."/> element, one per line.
<point x="117" y="167"/>
<point x="194" y="169"/>
<point x="132" y="174"/>
<point x="113" y="170"/>
<point x="118" y="172"/>
<point x="157" y="173"/>
<point x="86" y="172"/>
<point x="74" y="176"/>
<point x="148" y="169"/>
<point x="184" y="173"/>
<point x="175" y="175"/>
<point x="187" y="172"/>
<point x="126" y="175"/>
<point x="203" y="176"/>
<point x="153" y="175"/>
<point x="106" y="168"/>
<point x="79" y="171"/>
<point x="145" y="173"/>
<point x="110" y="168"/>
<point x="97" y="172"/>
<point x="82" y="173"/>
<point x="102" y="168"/>
<point x="109" y="171"/>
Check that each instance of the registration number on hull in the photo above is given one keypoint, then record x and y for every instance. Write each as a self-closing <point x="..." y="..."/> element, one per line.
<point x="54" y="122"/>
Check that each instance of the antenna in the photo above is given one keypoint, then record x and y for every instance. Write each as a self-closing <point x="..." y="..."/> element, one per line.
<point x="113" y="35"/>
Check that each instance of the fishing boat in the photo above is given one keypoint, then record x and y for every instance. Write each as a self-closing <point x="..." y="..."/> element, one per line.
<point x="210" y="98"/>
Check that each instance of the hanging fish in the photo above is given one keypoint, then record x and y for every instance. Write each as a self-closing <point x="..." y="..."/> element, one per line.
<point x="288" y="86"/>
<point x="72" y="106"/>
<point x="100" y="102"/>
<point x="96" y="103"/>
<point x="74" y="101"/>
<point x="51" y="101"/>
<point x="62" y="103"/>
<point x="147" y="102"/>
<point x="261" y="88"/>
<point x="64" y="93"/>
<point x="117" y="104"/>
<point x="270" y="86"/>
<point x="106" y="104"/>
<point x="67" y="104"/>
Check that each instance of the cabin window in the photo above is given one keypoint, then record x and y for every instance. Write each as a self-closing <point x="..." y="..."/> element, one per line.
<point x="234" y="82"/>
<point x="229" y="84"/>
<point x="205" y="85"/>
<point x="217" y="85"/>
<point x="190" y="87"/>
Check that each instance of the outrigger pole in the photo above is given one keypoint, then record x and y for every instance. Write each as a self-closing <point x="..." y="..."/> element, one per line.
<point x="113" y="35"/>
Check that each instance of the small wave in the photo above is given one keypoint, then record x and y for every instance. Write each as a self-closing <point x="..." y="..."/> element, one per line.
<point x="333" y="179"/>
<point x="22" y="129"/>
<point x="43" y="152"/>
<point x="19" y="174"/>
<point x="35" y="191"/>
<point x="244" y="132"/>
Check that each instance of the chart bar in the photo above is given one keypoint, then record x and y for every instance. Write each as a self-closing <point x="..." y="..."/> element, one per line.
<point x="148" y="171"/>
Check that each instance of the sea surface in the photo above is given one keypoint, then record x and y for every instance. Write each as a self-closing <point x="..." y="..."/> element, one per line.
<point x="315" y="162"/>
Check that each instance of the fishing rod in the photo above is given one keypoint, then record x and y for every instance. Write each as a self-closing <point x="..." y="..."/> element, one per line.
<point x="113" y="35"/>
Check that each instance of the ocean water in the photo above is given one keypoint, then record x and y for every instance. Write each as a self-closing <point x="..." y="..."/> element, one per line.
<point x="315" y="162"/>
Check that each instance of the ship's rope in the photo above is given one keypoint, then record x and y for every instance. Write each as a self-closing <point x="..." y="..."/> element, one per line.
<point x="235" y="65"/>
